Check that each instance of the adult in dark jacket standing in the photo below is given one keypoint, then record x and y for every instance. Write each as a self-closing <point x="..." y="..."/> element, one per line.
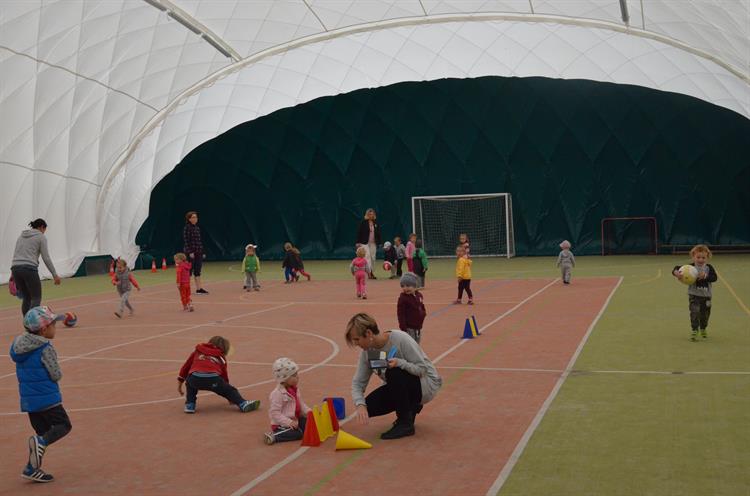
<point x="193" y="248"/>
<point x="25" y="265"/>
<point x="368" y="235"/>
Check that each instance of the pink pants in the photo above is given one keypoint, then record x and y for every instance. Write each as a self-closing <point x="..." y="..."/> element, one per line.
<point x="410" y="264"/>
<point x="361" y="279"/>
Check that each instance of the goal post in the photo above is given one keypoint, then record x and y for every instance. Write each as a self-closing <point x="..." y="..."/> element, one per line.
<point x="487" y="219"/>
<point x="629" y="236"/>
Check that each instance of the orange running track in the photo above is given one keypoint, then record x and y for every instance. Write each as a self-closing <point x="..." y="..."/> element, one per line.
<point x="130" y="435"/>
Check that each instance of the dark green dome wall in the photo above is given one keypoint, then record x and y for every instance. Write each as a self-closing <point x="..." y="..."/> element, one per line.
<point x="569" y="151"/>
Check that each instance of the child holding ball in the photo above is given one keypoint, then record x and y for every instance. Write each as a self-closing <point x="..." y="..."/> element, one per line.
<point x="699" y="292"/>
<point x="287" y="411"/>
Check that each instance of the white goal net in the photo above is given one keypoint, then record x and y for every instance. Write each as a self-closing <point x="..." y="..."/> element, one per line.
<point x="487" y="219"/>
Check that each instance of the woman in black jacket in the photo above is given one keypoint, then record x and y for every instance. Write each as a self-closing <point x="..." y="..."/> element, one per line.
<point x="368" y="235"/>
<point x="193" y="247"/>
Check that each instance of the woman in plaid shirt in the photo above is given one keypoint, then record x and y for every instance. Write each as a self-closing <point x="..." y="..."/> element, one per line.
<point x="191" y="236"/>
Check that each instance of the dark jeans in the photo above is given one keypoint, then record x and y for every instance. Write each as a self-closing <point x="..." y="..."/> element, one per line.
<point x="28" y="283"/>
<point x="700" y="311"/>
<point x="399" y="263"/>
<point x="197" y="264"/>
<point x="214" y="383"/>
<point x="401" y="393"/>
<point x="281" y="434"/>
<point x="465" y="284"/>
<point x="52" y="424"/>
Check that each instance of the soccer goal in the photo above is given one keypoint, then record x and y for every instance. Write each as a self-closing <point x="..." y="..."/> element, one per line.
<point x="629" y="236"/>
<point x="487" y="219"/>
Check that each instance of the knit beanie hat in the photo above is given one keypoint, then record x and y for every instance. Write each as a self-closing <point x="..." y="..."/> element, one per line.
<point x="565" y="245"/>
<point x="386" y="245"/>
<point x="409" y="279"/>
<point x="283" y="369"/>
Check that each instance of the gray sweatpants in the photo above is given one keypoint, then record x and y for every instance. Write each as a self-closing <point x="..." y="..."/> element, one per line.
<point x="251" y="280"/>
<point x="125" y="301"/>
<point x="416" y="334"/>
<point x="565" y="271"/>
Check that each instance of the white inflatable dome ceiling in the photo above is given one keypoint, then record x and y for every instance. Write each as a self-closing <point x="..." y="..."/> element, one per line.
<point x="100" y="99"/>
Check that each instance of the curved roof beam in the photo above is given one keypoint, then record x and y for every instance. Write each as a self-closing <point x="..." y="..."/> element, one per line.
<point x="196" y="27"/>
<point x="384" y="25"/>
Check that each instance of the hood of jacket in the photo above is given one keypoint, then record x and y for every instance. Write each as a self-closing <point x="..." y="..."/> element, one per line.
<point x="209" y="349"/>
<point x="26" y="343"/>
<point x="30" y="233"/>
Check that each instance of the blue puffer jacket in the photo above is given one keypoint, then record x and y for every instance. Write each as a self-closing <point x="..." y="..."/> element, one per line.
<point x="37" y="371"/>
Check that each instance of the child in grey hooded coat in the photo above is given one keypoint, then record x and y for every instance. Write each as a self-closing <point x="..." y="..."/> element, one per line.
<point x="566" y="261"/>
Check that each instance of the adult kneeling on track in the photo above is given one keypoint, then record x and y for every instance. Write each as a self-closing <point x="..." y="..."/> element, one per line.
<point x="25" y="265"/>
<point x="411" y="379"/>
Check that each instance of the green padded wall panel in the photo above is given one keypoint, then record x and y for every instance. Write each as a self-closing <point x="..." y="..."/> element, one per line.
<point x="570" y="152"/>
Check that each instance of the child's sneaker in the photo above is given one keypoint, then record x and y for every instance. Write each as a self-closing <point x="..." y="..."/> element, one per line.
<point x="36" y="474"/>
<point x="457" y="302"/>
<point x="37" y="447"/>
<point x="257" y="288"/>
<point x="309" y="277"/>
<point x="364" y="297"/>
<point x="269" y="438"/>
<point x="190" y="308"/>
<point x="704" y="334"/>
<point x="470" y="302"/>
<point x="189" y="407"/>
<point x="694" y="335"/>
<point x="118" y="314"/>
<point x="249" y="405"/>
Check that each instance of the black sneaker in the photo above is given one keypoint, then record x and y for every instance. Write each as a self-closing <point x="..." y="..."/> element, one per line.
<point x="201" y="291"/>
<point x="400" y="429"/>
<point x="36" y="474"/>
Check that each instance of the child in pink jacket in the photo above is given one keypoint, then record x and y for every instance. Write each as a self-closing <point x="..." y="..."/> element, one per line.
<point x="287" y="411"/>
<point x="411" y="250"/>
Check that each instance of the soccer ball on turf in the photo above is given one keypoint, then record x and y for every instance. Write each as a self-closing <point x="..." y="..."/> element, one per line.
<point x="689" y="274"/>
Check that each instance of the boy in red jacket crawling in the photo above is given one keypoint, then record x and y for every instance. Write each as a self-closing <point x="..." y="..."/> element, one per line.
<point x="206" y="369"/>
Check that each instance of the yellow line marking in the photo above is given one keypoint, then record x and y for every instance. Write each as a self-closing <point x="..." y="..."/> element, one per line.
<point x="731" y="290"/>
<point x="652" y="279"/>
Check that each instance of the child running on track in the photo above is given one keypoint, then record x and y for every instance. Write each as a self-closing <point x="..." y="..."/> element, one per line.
<point x="124" y="280"/>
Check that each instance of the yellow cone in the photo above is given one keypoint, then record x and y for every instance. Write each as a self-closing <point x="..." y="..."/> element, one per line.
<point x="325" y="427"/>
<point x="346" y="441"/>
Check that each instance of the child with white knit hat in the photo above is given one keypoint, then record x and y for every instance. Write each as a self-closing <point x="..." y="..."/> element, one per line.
<point x="287" y="411"/>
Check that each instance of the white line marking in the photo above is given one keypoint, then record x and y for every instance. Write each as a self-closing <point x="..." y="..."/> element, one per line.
<point x="330" y="357"/>
<point x="505" y="472"/>
<point x="155" y="336"/>
<point x="502" y="316"/>
<point x="286" y="461"/>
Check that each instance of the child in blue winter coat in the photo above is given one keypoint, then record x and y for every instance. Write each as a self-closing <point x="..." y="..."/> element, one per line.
<point x="38" y="375"/>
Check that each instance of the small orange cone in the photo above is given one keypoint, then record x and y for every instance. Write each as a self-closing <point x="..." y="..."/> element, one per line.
<point x="311" y="437"/>
<point x="112" y="268"/>
<point x="332" y="413"/>
<point x="163" y="264"/>
<point x="346" y="441"/>
<point x="153" y="265"/>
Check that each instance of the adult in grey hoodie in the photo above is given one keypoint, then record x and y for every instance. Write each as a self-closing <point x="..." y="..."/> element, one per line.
<point x="25" y="265"/>
<point x="410" y="379"/>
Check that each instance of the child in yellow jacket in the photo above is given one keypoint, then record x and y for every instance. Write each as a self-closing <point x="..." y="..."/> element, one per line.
<point x="463" y="273"/>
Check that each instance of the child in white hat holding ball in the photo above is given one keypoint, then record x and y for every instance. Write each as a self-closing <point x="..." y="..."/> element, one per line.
<point x="287" y="411"/>
<point x="699" y="289"/>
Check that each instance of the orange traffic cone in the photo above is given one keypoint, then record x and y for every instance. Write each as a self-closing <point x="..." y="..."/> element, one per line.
<point x="112" y="268"/>
<point x="311" y="437"/>
<point x="153" y="265"/>
<point x="163" y="264"/>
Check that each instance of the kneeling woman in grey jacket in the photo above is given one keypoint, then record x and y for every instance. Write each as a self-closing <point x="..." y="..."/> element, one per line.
<point x="410" y="378"/>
